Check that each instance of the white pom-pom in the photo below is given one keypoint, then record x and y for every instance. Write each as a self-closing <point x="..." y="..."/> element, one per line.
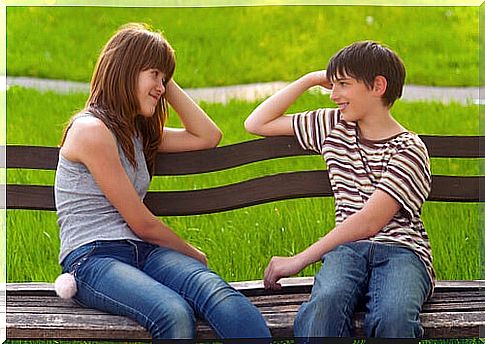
<point x="65" y="286"/>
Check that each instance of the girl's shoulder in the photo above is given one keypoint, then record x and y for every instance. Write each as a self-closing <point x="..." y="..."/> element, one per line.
<point x="86" y="119"/>
<point x="87" y="135"/>
<point x="86" y="126"/>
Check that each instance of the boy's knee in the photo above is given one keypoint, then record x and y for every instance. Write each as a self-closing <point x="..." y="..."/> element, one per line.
<point x="396" y="322"/>
<point x="327" y="300"/>
<point x="324" y="307"/>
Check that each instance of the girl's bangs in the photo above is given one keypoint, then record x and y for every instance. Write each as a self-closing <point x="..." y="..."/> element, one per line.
<point x="159" y="56"/>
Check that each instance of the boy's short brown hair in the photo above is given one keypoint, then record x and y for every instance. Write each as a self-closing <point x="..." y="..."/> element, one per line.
<point x="364" y="61"/>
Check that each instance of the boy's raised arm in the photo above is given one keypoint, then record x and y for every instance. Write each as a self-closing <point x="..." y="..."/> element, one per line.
<point x="268" y="119"/>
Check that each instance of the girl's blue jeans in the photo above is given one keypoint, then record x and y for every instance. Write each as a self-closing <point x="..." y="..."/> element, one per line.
<point x="163" y="290"/>
<point x="390" y="280"/>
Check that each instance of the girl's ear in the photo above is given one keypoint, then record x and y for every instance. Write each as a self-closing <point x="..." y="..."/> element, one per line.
<point x="380" y="85"/>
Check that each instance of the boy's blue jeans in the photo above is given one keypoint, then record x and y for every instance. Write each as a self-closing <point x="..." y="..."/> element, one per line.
<point x="390" y="280"/>
<point x="163" y="290"/>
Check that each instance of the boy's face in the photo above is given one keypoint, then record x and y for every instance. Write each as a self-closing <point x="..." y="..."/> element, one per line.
<point x="354" y="99"/>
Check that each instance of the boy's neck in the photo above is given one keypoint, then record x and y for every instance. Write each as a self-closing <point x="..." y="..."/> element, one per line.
<point x="379" y="126"/>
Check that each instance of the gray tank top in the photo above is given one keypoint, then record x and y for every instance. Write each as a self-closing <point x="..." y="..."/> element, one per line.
<point x="84" y="213"/>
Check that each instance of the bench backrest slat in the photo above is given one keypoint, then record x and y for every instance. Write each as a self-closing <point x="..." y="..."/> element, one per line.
<point x="457" y="189"/>
<point x="256" y="191"/>
<point x="236" y="155"/>
<point x="454" y="146"/>
<point x="33" y="197"/>
<point x="33" y="157"/>
<point x="251" y="192"/>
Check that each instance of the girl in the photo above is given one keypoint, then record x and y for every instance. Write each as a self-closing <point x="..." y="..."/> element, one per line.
<point x="125" y="260"/>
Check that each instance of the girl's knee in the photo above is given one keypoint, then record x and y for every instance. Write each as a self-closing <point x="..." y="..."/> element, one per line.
<point x="177" y="321"/>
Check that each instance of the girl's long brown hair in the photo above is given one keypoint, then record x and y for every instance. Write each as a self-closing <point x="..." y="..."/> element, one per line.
<point x="132" y="49"/>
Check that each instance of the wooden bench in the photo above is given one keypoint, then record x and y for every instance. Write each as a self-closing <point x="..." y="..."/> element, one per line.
<point x="456" y="310"/>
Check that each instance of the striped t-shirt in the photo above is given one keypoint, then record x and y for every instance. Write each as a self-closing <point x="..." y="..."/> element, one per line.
<point x="357" y="167"/>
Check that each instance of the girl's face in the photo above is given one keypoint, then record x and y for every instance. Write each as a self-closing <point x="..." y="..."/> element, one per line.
<point x="149" y="90"/>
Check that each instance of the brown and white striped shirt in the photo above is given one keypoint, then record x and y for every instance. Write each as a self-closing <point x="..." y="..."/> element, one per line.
<point x="357" y="167"/>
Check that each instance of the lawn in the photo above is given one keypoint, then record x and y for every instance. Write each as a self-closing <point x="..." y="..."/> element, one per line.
<point x="237" y="45"/>
<point x="236" y="242"/>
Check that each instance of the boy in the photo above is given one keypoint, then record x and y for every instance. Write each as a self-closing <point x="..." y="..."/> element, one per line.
<point x="379" y="252"/>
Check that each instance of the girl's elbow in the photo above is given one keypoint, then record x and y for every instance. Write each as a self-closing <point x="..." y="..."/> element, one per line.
<point x="252" y="127"/>
<point x="214" y="139"/>
<point x="146" y="230"/>
<point x="218" y="137"/>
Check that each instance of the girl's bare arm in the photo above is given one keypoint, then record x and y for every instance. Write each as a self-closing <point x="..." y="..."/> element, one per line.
<point x="199" y="131"/>
<point x="88" y="141"/>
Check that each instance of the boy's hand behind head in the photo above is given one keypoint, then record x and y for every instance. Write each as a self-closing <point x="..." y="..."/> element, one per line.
<point x="319" y="78"/>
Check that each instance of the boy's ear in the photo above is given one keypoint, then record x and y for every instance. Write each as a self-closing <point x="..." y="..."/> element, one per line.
<point x="380" y="85"/>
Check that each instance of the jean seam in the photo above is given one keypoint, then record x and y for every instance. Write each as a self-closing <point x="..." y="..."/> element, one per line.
<point x="117" y="303"/>
<point x="346" y="309"/>
<point x="375" y="302"/>
<point x="210" y="319"/>
<point x="213" y="323"/>
<point x="183" y="293"/>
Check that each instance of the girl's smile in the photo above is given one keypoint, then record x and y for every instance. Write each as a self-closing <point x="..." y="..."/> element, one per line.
<point x="150" y="89"/>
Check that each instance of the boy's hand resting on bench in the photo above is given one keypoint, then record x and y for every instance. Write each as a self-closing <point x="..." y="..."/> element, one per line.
<point x="279" y="267"/>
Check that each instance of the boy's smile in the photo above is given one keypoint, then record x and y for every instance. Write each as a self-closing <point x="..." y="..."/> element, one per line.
<point x="342" y="106"/>
<point x="353" y="98"/>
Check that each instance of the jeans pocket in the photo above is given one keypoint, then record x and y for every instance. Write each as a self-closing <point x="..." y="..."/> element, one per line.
<point x="77" y="257"/>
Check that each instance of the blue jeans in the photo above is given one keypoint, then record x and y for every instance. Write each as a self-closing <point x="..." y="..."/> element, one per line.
<point x="163" y="290"/>
<point x="390" y="280"/>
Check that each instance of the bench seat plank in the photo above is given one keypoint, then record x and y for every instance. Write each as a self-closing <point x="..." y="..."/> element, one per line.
<point x="439" y="302"/>
<point x="279" y="319"/>
<point x="46" y="305"/>
<point x="254" y="288"/>
<point x="34" y="311"/>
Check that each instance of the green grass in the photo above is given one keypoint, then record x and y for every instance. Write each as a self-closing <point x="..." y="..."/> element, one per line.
<point x="236" y="45"/>
<point x="240" y="243"/>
